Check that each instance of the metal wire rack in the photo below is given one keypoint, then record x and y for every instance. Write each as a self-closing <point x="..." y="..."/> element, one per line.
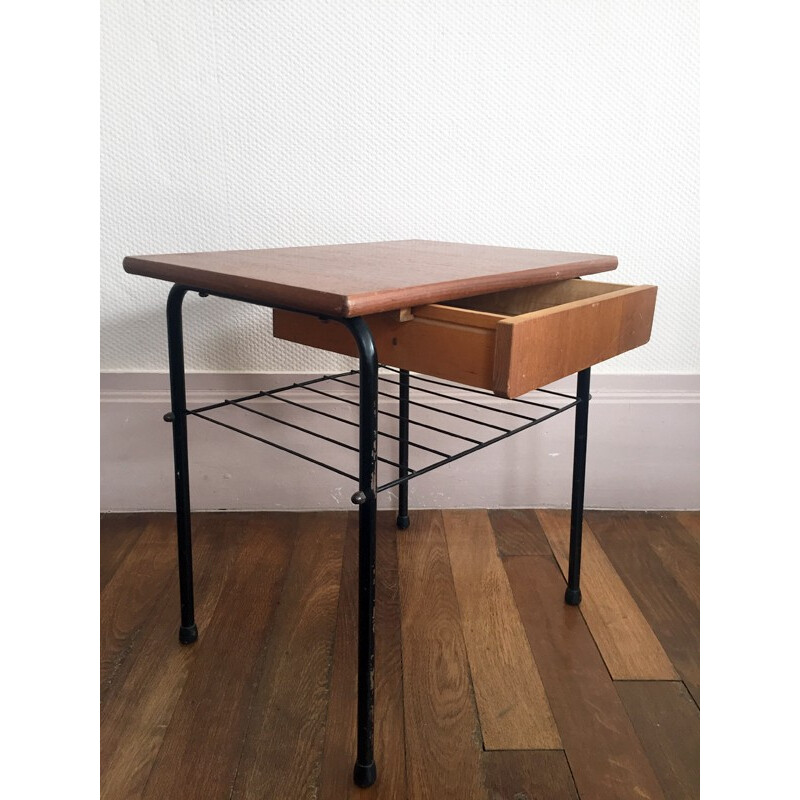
<point x="437" y="436"/>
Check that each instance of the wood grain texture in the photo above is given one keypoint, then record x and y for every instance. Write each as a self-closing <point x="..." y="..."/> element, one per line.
<point x="580" y="334"/>
<point x="484" y="349"/>
<point x="264" y="703"/>
<point x="390" y="742"/>
<point x="118" y="534"/>
<point x="606" y="757"/>
<point x="535" y="298"/>
<point x="443" y="741"/>
<point x="349" y="280"/>
<point x="691" y="521"/>
<point x="130" y="598"/>
<point x="528" y="775"/>
<point x="137" y="711"/>
<point x="458" y="316"/>
<point x="283" y="747"/>
<point x="678" y="550"/>
<point x="518" y="532"/>
<point x="199" y="754"/>
<point x="625" y="639"/>
<point x="672" y="615"/>
<point x="668" y="724"/>
<point x="513" y="710"/>
<point x="336" y="777"/>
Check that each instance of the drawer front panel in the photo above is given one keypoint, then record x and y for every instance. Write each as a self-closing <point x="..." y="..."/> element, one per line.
<point x="452" y="351"/>
<point x="538" y="348"/>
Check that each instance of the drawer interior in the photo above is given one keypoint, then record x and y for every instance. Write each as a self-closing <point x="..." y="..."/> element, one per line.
<point x="514" y="302"/>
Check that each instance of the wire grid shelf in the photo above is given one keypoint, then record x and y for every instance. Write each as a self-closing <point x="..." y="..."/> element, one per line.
<point x="438" y="435"/>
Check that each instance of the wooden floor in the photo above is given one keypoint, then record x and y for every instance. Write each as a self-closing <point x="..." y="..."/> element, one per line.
<point x="487" y="685"/>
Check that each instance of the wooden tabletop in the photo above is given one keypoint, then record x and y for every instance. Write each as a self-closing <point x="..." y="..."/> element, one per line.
<point x="349" y="280"/>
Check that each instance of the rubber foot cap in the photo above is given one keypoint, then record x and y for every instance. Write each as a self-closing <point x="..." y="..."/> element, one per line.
<point x="188" y="635"/>
<point x="403" y="522"/>
<point x="572" y="597"/>
<point x="365" y="775"/>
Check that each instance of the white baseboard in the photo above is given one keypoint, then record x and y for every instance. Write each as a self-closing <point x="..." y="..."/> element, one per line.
<point x="644" y="453"/>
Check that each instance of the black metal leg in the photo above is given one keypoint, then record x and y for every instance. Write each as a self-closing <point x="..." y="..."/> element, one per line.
<point x="177" y="386"/>
<point x="402" y="510"/>
<point x="365" y="772"/>
<point x="573" y="594"/>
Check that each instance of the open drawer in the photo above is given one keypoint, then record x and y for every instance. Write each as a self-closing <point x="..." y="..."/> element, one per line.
<point x="510" y="342"/>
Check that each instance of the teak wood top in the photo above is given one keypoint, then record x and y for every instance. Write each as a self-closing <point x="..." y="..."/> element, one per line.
<point x="350" y="280"/>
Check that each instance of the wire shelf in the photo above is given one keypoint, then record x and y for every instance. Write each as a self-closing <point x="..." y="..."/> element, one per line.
<point x="438" y="435"/>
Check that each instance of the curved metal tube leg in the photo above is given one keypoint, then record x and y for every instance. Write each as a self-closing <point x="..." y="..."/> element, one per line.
<point x="402" y="510"/>
<point x="365" y="771"/>
<point x="573" y="594"/>
<point x="177" y="387"/>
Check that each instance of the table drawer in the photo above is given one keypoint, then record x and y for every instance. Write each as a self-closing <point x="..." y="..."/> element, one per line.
<point x="510" y="342"/>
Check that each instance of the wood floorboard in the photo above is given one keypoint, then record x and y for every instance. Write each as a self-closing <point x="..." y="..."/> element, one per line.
<point x="131" y="597"/>
<point x="283" y="748"/>
<point x="690" y="520"/>
<point x="390" y="741"/>
<point x="678" y="550"/>
<point x="118" y="535"/>
<point x="137" y="710"/>
<point x="200" y="751"/>
<point x="673" y="616"/>
<point x="336" y="776"/>
<point x="518" y="532"/>
<point x="336" y="779"/>
<point x="443" y="740"/>
<point x="668" y="724"/>
<point x="625" y="639"/>
<point x="514" y="712"/>
<point x="528" y="775"/>
<point x="264" y="704"/>
<point x="604" y="752"/>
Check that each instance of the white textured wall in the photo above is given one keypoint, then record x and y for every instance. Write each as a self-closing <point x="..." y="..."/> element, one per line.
<point x="555" y="125"/>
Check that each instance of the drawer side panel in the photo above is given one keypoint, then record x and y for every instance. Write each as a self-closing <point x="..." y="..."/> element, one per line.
<point x="444" y="350"/>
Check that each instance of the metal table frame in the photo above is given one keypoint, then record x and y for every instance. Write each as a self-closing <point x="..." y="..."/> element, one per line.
<point x="365" y="771"/>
